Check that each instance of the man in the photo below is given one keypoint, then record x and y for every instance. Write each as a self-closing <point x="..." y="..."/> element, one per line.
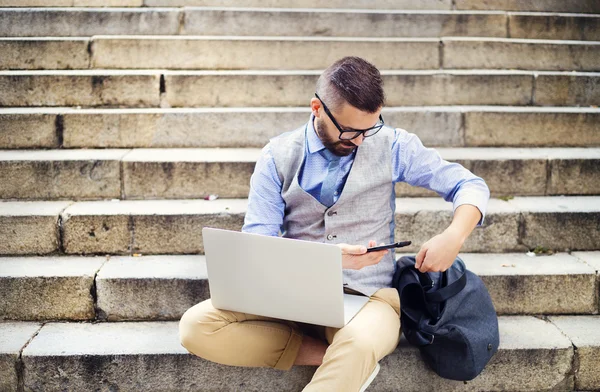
<point x="332" y="180"/>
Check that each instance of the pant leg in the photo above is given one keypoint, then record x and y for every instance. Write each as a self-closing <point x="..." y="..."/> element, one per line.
<point x="356" y="348"/>
<point x="239" y="339"/>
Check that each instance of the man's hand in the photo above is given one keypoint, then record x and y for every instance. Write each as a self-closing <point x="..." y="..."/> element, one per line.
<point x="439" y="253"/>
<point x="356" y="256"/>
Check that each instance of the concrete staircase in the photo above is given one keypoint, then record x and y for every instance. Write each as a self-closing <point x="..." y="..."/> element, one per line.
<point x="117" y="122"/>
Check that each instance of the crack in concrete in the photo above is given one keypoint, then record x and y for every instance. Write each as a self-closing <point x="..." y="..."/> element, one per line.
<point x="20" y="366"/>
<point x="61" y="230"/>
<point x="100" y="315"/>
<point x="131" y="227"/>
<point x="60" y="129"/>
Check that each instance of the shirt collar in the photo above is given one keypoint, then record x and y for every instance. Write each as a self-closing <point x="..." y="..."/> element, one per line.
<point x="314" y="143"/>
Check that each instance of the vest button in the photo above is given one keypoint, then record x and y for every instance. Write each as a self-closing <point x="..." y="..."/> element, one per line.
<point x="331" y="213"/>
<point x="330" y="237"/>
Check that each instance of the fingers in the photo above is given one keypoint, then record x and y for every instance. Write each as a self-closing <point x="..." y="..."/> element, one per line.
<point x="420" y="258"/>
<point x="353" y="249"/>
<point x="424" y="266"/>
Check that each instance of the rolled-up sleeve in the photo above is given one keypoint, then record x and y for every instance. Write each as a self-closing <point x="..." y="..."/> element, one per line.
<point x="417" y="165"/>
<point x="265" y="204"/>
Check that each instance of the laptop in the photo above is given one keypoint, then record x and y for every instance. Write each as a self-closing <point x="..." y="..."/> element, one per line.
<point x="278" y="277"/>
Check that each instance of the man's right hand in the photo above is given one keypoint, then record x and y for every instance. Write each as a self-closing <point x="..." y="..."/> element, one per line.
<point x="356" y="256"/>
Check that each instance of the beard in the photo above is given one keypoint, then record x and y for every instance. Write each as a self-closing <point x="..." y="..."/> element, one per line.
<point x="339" y="147"/>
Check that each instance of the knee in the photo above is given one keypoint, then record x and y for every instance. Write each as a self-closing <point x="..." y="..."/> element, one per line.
<point x="360" y="345"/>
<point x="196" y="326"/>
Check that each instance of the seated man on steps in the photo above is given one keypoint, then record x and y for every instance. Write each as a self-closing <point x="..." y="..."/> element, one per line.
<point x="332" y="180"/>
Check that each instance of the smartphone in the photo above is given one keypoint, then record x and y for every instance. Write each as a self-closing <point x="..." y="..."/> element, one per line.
<point x="400" y="244"/>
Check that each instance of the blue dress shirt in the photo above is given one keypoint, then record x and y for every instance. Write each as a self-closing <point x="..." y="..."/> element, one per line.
<point x="411" y="162"/>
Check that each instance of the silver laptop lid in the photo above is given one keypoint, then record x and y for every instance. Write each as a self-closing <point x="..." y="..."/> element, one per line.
<point x="275" y="277"/>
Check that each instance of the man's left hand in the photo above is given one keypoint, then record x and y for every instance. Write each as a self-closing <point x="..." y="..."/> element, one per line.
<point x="439" y="253"/>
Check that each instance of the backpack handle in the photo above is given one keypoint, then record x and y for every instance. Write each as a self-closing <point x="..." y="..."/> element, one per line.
<point x="451" y="290"/>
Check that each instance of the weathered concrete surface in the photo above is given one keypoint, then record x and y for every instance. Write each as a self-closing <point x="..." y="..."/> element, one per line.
<point x="108" y="3"/>
<point x="27" y="130"/>
<point x="188" y="173"/>
<point x="36" y="3"/>
<point x="546" y="126"/>
<point x="231" y="127"/>
<point x="48" y="288"/>
<point x="519" y="171"/>
<point x="584" y="6"/>
<point x="547" y="219"/>
<point x="149" y="227"/>
<point x="239" y="88"/>
<point x="97" y="227"/>
<point x="184" y="222"/>
<point x="125" y="227"/>
<point x="577" y="27"/>
<point x="160" y="287"/>
<point x="184" y="127"/>
<point x="593" y="260"/>
<point x="30" y="227"/>
<point x="362" y="4"/>
<point x="293" y="88"/>
<point x="13" y="337"/>
<point x="519" y="284"/>
<point x="588" y="6"/>
<point x="574" y="171"/>
<point x="570" y="89"/>
<point x="163" y="287"/>
<point x="468" y="87"/>
<point x="223" y="53"/>
<point x="501" y="53"/>
<point x="60" y="174"/>
<point x="69" y="22"/>
<point x="68" y="3"/>
<point x="196" y="173"/>
<point x="506" y="171"/>
<point x="342" y="23"/>
<point x="79" y="88"/>
<point x="533" y="356"/>
<point x="590" y="258"/>
<point x="253" y="127"/>
<point x="419" y="220"/>
<point x="584" y="332"/>
<point x="44" y="53"/>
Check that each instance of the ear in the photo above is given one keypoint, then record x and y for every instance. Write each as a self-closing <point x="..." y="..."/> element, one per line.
<point x="315" y="105"/>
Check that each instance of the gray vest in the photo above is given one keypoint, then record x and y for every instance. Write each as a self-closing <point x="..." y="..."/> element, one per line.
<point x="364" y="210"/>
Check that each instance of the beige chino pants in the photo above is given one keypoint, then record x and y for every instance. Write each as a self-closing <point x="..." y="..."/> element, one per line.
<point x="241" y="339"/>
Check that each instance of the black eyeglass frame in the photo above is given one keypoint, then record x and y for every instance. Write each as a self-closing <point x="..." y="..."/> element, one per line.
<point x="376" y="127"/>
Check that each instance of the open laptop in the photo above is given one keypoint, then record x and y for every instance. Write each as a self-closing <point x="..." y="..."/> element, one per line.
<point x="278" y="277"/>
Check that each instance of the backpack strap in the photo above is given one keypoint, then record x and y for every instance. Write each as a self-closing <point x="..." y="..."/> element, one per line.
<point x="451" y="290"/>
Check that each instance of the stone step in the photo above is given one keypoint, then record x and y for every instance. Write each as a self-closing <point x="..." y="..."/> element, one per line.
<point x="189" y="173"/>
<point x="175" y="226"/>
<point x="73" y="22"/>
<point x="583" y="6"/>
<point x="149" y="356"/>
<point x="218" y="52"/>
<point x="143" y="88"/>
<point x="445" y="126"/>
<point x="48" y="288"/>
<point x="80" y="88"/>
<point x="163" y="287"/>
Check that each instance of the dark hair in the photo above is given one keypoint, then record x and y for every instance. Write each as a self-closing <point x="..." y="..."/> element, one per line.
<point x="352" y="80"/>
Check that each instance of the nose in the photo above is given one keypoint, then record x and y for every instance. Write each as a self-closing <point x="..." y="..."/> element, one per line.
<point x="359" y="140"/>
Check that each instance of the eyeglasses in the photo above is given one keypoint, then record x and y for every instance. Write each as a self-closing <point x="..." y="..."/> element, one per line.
<point x="349" y="134"/>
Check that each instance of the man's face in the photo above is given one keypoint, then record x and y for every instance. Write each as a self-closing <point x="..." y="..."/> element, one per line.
<point x="348" y="118"/>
